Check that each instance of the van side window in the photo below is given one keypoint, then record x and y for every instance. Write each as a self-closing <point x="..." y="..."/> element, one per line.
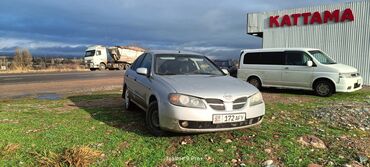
<point x="98" y="52"/>
<point x="297" y="58"/>
<point x="268" y="58"/>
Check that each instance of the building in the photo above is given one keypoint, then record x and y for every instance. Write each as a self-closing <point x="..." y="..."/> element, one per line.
<point x="5" y="62"/>
<point x="341" y="30"/>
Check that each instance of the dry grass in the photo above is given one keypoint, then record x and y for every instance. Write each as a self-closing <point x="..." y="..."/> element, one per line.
<point x="52" y="69"/>
<point x="76" y="156"/>
<point x="10" y="148"/>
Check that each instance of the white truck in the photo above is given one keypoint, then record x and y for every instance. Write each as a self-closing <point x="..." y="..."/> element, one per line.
<point x="112" y="58"/>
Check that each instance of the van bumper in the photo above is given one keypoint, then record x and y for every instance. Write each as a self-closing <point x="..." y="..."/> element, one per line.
<point x="349" y="84"/>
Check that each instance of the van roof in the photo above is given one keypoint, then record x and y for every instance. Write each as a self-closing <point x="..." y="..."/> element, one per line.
<point x="278" y="49"/>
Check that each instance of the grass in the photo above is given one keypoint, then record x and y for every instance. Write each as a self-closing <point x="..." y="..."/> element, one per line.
<point x="93" y="129"/>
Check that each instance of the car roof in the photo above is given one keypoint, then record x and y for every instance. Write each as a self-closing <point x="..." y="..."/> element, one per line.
<point x="278" y="49"/>
<point x="175" y="52"/>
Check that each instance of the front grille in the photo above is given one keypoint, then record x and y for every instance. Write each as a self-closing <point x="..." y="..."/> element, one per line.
<point x="219" y="105"/>
<point x="216" y="104"/>
<point x="210" y="125"/>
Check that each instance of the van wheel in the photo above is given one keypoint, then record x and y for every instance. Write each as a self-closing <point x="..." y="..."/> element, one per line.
<point x="255" y="82"/>
<point x="102" y="66"/>
<point x="152" y="120"/>
<point x="92" y="69"/>
<point x="324" y="88"/>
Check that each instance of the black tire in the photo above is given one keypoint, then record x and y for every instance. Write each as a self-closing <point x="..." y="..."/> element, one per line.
<point x="152" y="120"/>
<point x="128" y="104"/>
<point x="324" y="88"/>
<point x="92" y="69"/>
<point x="255" y="82"/>
<point x="102" y="66"/>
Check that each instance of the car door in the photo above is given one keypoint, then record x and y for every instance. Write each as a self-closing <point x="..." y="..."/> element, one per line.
<point x="296" y="73"/>
<point x="131" y="77"/>
<point x="144" y="81"/>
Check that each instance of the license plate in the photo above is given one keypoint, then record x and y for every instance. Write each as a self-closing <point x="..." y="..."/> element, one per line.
<point x="228" y="118"/>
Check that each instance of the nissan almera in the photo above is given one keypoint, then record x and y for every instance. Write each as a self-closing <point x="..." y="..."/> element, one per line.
<point x="185" y="92"/>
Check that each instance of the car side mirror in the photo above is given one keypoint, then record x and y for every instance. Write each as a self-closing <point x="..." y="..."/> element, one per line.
<point x="225" y="71"/>
<point x="309" y="63"/>
<point x="142" y="71"/>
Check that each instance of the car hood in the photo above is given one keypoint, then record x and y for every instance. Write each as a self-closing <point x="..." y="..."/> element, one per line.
<point x="206" y="86"/>
<point x="341" y="68"/>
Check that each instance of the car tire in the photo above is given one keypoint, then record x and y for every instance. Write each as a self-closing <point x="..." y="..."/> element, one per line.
<point x="255" y="82"/>
<point x="152" y="120"/>
<point x="324" y="88"/>
<point x="92" y="69"/>
<point x="102" y="66"/>
<point x="128" y="104"/>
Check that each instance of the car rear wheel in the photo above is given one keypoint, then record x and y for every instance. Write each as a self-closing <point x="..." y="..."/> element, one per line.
<point x="255" y="82"/>
<point x="152" y="120"/>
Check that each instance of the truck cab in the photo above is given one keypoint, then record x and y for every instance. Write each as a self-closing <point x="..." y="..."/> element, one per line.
<point x="96" y="57"/>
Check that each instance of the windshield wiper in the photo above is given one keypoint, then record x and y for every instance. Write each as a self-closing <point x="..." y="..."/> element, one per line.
<point x="167" y="73"/>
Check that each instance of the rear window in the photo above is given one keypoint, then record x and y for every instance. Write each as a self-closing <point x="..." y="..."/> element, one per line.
<point x="269" y="58"/>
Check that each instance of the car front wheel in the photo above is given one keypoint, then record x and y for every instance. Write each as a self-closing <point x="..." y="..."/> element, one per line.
<point x="152" y="120"/>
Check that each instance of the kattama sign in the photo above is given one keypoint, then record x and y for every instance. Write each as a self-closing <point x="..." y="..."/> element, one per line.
<point x="312" y="18"/>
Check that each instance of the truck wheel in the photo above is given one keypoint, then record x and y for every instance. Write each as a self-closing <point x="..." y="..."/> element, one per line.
<point x="255" y="82"/>
<point x="324" y="88"/>
<point x="121" y="67"/>
<point x="152" y="120"/>
<point x="102" y="66"/>
<point x="127" y="66"/>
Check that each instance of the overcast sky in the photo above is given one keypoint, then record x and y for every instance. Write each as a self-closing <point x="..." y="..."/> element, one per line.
<point x="216" y="28"/>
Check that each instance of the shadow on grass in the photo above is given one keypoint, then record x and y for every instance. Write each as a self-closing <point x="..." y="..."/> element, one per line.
<point x="109" y="109"/>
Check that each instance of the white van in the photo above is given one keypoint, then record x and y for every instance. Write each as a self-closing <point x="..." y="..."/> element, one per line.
<point x="297" y="68"/>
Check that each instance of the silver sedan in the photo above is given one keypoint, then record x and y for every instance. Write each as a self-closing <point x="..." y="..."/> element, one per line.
<point x="185" y="92"/>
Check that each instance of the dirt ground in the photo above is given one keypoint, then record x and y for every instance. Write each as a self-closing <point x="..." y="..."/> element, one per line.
<point x="60" y="87"/>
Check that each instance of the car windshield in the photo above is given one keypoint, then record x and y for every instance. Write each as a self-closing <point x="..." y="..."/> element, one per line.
<point x="322" y="57"/>
<point x="172" y="64"/>
<point x="90" y="53"/>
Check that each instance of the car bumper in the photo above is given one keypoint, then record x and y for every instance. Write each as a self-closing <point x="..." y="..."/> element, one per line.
<point x="349" y="84"/>
<point x="200" y="120"/>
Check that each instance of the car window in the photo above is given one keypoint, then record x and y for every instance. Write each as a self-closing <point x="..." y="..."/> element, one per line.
<point x="137" y="62"/>
<point x="147" y="62"/>
<point x="268" y="58"/>
<point x="297" y="58"/>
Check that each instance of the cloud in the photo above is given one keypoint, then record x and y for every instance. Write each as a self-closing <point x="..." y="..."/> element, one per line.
<point x="215" y="27"/>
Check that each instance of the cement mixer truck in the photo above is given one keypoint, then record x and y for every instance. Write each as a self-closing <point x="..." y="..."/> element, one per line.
<point x="112" y="58"/>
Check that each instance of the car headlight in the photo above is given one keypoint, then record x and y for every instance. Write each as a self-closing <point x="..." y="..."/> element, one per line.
<point x="186" y="101"/>
<point x="255" y="99"/>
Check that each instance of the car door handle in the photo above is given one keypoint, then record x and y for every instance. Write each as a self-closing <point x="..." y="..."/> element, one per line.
<point x="287" y="68"/>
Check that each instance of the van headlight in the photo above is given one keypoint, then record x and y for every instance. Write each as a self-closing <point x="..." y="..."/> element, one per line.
<point x="255" y="99"/>
<point x="186" y="101"/>
<point x="345" y="75"/>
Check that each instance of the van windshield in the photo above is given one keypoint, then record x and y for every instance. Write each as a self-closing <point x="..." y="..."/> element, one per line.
<point x="322" y="57"/>
<point x="90" y="53"/>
